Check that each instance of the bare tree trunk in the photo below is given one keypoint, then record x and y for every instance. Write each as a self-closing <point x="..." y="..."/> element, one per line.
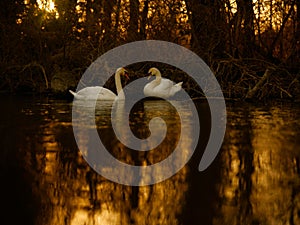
<point x="133" y="30"/>
<point x="238" y="17"/>
<point x="194" y="8"/>
<point x="117" y="17"/>
<point x="249" y="28"/>
<point x="295" y="54"/>
<point x="285" y="20"/>
<point x="207" y="27"/>
<point x="107" y="21"/>
<point x="90" y="20"/>
<point x="144" y="20"/>
<point x="297" y="34"/>
<point x="244" y="29"/>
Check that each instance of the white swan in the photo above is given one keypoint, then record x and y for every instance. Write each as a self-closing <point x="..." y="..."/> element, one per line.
<point x="161" y="87"/>
<point x="93" y="93"/>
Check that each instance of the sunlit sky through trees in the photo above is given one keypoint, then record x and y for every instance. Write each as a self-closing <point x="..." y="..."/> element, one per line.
<point x="47" y="5"/>
<point x="266" y="12"/>
<point x="170" y="20"/>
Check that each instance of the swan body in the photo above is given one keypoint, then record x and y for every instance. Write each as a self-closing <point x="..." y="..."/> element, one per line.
<point x="93" y="93"/>
<point x="161" y="87"/>
<point x="98" y="92"/>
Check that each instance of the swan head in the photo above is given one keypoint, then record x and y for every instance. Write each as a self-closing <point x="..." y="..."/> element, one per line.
<point x="153" y="72"/>
<point x="121" y="71"/>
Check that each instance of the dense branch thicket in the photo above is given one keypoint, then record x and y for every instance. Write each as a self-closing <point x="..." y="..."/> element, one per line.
<point x="240" y="40"/>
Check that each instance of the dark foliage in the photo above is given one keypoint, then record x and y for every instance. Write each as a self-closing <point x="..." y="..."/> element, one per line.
<point x="238" y="41"/>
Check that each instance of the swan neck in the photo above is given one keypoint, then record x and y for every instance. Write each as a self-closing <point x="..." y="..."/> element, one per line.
<point x="158" y="77"/>
<point x="118" y="82"/>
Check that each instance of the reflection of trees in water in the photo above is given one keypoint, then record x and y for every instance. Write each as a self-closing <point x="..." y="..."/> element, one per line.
<point x="45" y="180"/>
<point x="260" y="184"/>
<point x="236" y="185"/>
<point x="74" y="194"/>
<point x="140" y="117"/>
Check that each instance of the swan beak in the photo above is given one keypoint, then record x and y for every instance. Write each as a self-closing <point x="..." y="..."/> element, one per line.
<point x="149" y="75"/>
<point x="126" y="75"/>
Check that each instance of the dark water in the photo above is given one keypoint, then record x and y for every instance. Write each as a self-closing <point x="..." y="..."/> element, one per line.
<point x="45" y="180"/>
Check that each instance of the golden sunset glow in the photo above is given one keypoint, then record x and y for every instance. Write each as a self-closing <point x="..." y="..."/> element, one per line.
<point x="268" y="13"/>
<point x="48" y="6"/>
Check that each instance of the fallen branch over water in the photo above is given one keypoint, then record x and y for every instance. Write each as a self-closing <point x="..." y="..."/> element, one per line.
<point x="251" y="93"/>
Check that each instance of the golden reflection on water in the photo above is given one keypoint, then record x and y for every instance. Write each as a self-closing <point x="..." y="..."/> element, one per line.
<point x="255" y="179"/>
<point x="260" y="176"/>
<point x="74" y="194"/>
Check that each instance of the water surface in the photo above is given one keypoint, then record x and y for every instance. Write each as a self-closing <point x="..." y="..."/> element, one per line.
<point x="45" y="180"/>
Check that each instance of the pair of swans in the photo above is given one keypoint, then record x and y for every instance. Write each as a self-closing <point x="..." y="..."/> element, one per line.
<point x="160" y="87"/>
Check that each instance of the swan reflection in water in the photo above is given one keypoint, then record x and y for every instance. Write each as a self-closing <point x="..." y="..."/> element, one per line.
<point x="47" y="181"/>
<point x="147" y="204"/>
<point x="144" y="152"/>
